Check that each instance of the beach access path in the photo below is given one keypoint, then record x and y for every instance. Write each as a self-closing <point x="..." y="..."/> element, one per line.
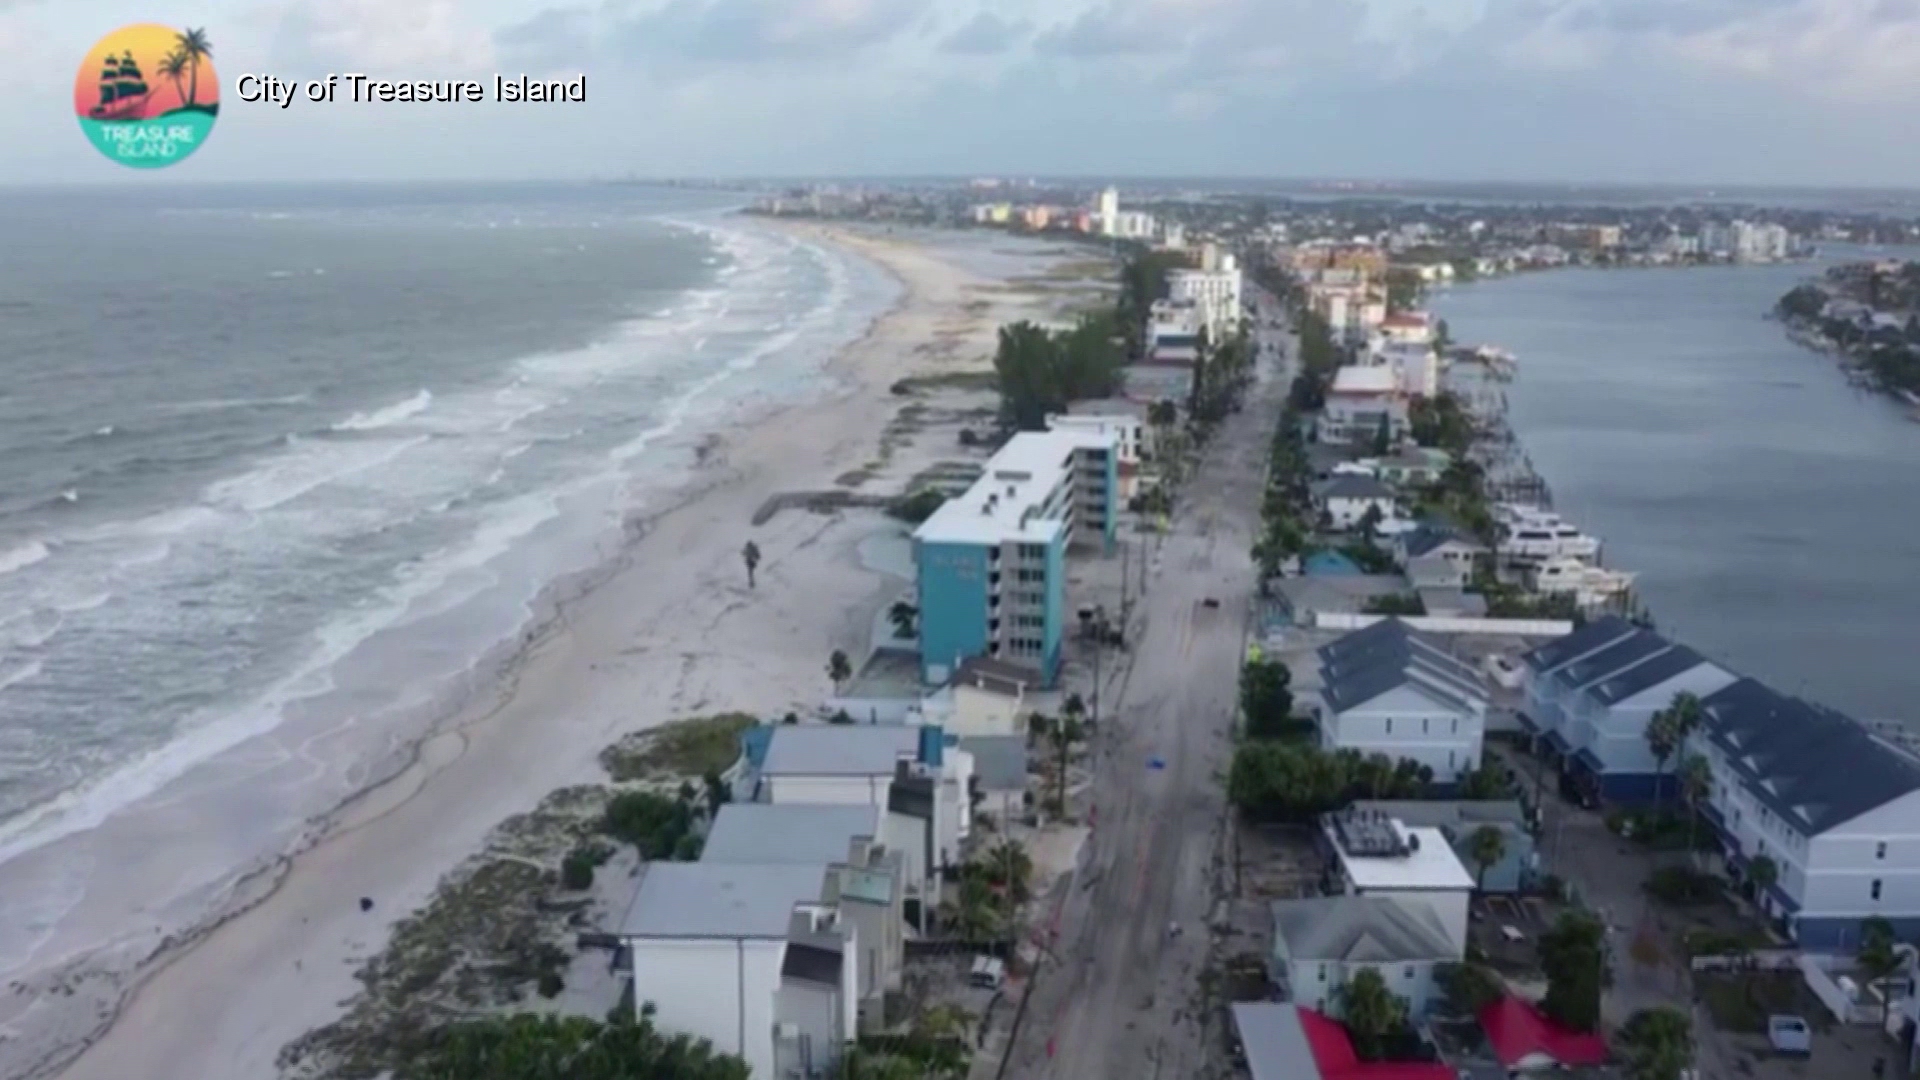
<point x="675" y="632"/>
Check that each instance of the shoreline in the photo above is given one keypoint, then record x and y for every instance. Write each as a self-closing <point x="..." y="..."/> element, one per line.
<point x="271" y="909"/>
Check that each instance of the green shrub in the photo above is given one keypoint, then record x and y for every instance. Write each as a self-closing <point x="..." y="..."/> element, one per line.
<point x="550" y="984"/>
<point x="576" y="870"/>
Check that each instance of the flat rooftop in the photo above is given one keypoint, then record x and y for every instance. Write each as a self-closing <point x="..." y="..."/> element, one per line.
<point x="1007" y="503"/>
<point x="722" y="901"/>
<point x="807" y="835"/>
<point x="1376" y="379"/>
<point x="839" y="749"/>
<point x="1430" y="865"/>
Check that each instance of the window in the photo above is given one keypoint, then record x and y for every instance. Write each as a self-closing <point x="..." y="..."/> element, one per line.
<point x="1389" y="725"/>
<point x="1456" y="727"/>
<point x="1423" y="725"/>
<point x="1880" y="850"/>
<point x="1876" y="888"/>
<point x="1409" y="973"/>
<point x="1323" y="973"/>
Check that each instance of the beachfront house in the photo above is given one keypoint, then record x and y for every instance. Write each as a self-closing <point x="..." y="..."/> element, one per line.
<point x="1321" y="943"/>
<point x="1389" y="689"/>
<point x="923" y="783"/>
<point x="1373" y="855"/>
<point x="1458" y="821"/>
<point x="990" y="565"/>
<point x="1589" y="697"/>
<point x="865" y="880"/>
<point x="719" y="948"/>
<point x="1346" y="499"/>
<point x="1833" y="807"/>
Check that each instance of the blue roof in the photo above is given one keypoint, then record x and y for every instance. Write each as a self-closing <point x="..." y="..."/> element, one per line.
<point x="1330" y="564"/>
<point x="1809" y="764"/>
<point x="753" y="744"/>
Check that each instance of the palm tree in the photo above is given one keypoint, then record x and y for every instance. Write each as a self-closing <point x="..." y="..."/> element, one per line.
<point x="1762" y="872"/>
<point x="1074" y="708"/>
<point x="1064" y="733"/>
<point x="839" y="669"/>
<point x="1696" y="783"/>
<point x="175" y="67"/>
<point x="903" y="615"/>
<point x="1663" y="738"/>
<point x="1877" y="957"/>
<point x="1487" y="846"/>
<point x="751" y="556"/>
<point x="193" y="44"/>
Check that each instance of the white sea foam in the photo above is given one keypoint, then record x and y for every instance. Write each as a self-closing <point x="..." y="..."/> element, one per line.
<point x="398" y="412"/>
<point x="22" y="556"/>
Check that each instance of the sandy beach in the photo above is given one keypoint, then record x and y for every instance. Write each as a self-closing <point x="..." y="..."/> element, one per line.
<point x="674" y="632"/>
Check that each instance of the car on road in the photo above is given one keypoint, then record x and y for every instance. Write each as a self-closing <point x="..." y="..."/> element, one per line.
<point x="1789" y="1035"/>
<point x="1211" y="602"/>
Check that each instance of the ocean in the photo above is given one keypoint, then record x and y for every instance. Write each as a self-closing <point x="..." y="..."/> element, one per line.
<point x="1771" y="509"/>
<point x="287" y="471"/>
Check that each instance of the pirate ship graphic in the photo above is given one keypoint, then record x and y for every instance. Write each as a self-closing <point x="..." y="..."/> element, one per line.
<point x="123" y="90"/>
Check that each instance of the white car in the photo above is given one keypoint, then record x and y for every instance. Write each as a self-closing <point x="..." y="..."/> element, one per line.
<point x="1789" y="1035"/>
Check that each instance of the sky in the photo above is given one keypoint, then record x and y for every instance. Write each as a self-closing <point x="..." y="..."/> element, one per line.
<point x="1764" y="92"/>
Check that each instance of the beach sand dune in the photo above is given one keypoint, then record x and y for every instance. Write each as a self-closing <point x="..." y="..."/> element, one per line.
<point x="674" y="632"/>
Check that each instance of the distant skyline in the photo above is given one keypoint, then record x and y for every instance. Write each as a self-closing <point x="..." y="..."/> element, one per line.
<point x="1697" y="93"/>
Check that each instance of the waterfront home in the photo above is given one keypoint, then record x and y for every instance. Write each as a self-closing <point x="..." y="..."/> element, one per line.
<point x="718" y="948"/>
<point x="985" y="698"/>
<point x="1835" y="809"/>
<point x="1362" y="403"/>
<point x="1458" y="820"/>
<point x="1388" y="689"/>
<point x="1377" y="856"/>
<point x="1319" y="944"/>
<point x="1346" y="498"/>
<point x="1438" y="541"/>
<point x="1414" y="467"/>
<point x="1590" y="695"/>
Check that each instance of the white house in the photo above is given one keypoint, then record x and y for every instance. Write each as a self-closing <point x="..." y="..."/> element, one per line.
<point x="708" y="942"/>
<point x="1379" y="856"/>
<point x="1589" y="696"/>
<point x="1388" y="689"/>
<point x="1346" y="498"/>
<point x="1836" y="809"/>
<point x="1321" y="943"/>
<point x="987" y="698"/>
<point x="1361" y="401"/>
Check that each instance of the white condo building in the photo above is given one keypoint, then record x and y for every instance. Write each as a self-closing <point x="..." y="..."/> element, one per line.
<point x="1109" y="212"/>
<point x="1216" y="293"/>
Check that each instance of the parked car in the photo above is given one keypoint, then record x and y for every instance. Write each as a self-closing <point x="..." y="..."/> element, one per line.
<point x="1789" y="1035"/>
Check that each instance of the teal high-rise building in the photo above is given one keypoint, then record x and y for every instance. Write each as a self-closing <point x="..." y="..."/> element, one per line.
<point x="991" y="563"/>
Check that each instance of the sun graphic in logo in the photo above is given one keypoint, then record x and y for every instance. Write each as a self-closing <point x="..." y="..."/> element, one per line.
<point x="147" y="95"/>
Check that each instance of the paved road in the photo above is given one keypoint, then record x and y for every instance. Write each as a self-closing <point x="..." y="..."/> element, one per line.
<point x="1119" y="999"/>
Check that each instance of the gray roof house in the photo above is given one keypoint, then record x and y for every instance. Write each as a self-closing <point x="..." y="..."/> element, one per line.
<point x="1321" y="942"/>
<point x="1389" y="689"/>
<point x="765" y="833"/>
<point x="1433" y="538"/>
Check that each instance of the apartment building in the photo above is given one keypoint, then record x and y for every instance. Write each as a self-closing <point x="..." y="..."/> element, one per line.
<point x="1216" y="293"/>
<point x="991" y="563"/>
<point x="1833" y="807"/>
<point x="1590" y="695"/>
<point x="1362" y="401"/>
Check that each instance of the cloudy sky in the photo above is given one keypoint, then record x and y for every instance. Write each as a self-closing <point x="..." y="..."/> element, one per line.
<point x="1823" y="92"/>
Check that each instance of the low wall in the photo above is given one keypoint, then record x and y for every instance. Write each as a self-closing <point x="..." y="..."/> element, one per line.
<point x="1338" y="620"/>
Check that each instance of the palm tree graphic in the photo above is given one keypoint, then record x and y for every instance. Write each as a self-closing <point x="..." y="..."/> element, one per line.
<point x="175" y="68"/>
<point x="193" y="46"/>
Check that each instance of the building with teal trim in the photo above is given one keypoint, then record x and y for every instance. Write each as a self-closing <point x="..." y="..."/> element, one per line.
<point x="991" y="563"/>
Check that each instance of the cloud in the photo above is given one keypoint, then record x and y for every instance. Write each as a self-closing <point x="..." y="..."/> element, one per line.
<point x="1116" y="29"/>
<point x="985" y="35"/>
<point x="748" y="31"/>
<point x="554" y="39"/>
<point x="379" y="37"/>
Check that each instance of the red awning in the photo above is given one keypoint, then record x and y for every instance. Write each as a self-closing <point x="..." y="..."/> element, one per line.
<point x="1333" y="1053"/>
<point x="1521" y="1036"/>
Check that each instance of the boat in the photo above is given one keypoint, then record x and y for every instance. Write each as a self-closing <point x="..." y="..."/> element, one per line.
<point x="1531" y="537"/>
<point x="123" y="90"/>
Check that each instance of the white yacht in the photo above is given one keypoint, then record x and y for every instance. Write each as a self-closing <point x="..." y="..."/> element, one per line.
<point x="1532" y="537"/>
<point x="1593" y="588"/>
